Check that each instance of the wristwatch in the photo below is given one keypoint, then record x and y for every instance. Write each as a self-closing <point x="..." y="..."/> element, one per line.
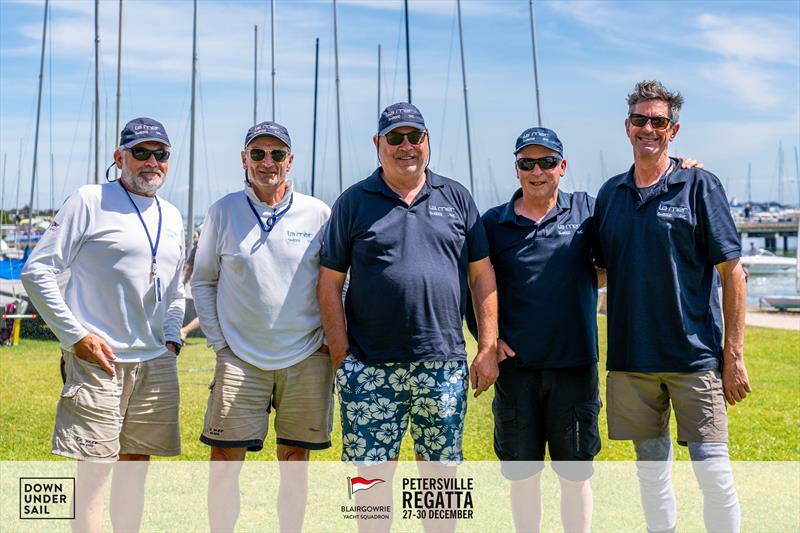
<point x="176" y="345"/>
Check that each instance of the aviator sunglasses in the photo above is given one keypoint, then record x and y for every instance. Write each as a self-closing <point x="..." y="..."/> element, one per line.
<point x="257" y="154"/>
<point x="414" y="137"/>
<point x="142" y="154"/>
<point x="545" y="163"/>
<point x="639" y="121"/>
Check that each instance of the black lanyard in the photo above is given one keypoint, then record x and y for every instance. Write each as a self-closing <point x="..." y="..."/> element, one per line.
<point x="153" y="247"/>
<point x="273" y="218"/>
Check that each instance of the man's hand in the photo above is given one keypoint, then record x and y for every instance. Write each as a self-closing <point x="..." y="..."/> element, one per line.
<point x="688" y="162"/>
<point x="337" y="356"/>
<point x="95" y="350"/>
<point x="483" y="372"/>
<point x="735" y="382"/>
<point x="504" y="351"/>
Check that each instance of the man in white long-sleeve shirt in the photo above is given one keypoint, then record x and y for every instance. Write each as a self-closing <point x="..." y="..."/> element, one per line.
<point x="118" y="324"/>
<point x="254" y="280"/>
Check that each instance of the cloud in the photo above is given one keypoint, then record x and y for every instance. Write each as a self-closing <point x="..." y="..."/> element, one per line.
<point x="748" y="39"/>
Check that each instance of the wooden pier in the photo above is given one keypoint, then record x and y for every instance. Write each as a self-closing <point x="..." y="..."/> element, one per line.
<point x="771" y="231"/>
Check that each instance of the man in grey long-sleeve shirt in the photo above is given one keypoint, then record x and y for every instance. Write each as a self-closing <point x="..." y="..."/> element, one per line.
<point x="118" y="323"/>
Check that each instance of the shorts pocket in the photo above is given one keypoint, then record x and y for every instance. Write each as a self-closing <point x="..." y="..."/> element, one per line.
<point x="70" y="390"/>
<point x="506" y="437"/>
<point x="719" y="415"/>
<point x="585" y="434"/>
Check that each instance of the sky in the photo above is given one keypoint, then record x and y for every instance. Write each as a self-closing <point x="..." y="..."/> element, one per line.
<point x="736" y="63"/>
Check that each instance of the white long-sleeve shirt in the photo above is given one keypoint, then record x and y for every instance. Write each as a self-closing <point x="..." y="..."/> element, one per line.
<point x="99" y="237"/>
<point x="256" y="292"/>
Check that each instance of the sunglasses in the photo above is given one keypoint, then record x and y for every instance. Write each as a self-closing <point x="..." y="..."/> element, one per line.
<point x="545" y="163"/>
<point x="658" y="123"/>
<point x="142" y="154"/>
<point x="414" y="137"/>
<point x="257" y="154"/>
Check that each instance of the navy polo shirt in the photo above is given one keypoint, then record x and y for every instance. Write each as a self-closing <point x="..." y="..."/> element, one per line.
<point x="660" y="252"/>
<point x="408" y="267"/>
<point x="546" y="282"/>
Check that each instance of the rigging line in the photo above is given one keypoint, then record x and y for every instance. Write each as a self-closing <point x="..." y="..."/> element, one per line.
<point x="205" y="140"/>
<point x="446" y="90"/>
<point x="75" y="133"/>
<point x="397" y="53"/>
<point x="50" y="105"/>
<point x="326" y="131"/>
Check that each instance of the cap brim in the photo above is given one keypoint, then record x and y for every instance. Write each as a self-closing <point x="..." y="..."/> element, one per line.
<point x="146" y="139"/>
<point x="536" y="143"/>
<point x="288" y="145"/>
<point x="414" y="125"/>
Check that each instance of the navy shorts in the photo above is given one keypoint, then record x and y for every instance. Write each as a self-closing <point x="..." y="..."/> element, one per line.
<point x="556" y="408"/>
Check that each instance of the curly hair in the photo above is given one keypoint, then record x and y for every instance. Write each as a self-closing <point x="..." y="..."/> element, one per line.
<point x="654" y="90"/>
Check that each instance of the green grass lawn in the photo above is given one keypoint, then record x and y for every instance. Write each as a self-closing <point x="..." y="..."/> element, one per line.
<point x="766" y="427"/>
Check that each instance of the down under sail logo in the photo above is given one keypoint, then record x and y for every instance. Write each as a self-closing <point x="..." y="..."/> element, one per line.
<point x="356" y="484"/>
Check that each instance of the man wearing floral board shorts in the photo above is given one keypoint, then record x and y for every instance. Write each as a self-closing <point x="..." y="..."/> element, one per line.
<point x="412" y="240"/>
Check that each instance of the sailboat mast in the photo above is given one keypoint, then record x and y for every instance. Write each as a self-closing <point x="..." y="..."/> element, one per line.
<point x="190" y="221"/>
<point x="314" y="129"/>
<point x="408" y="54"/>
<point x="255" y="73"/>
<point x="338" y="107"/>
<point x="97" y="91"/>
<point x="749" y="184"/>
<point x="3" y="189"/>
<point x="797" y="178"/>
<point x="38" y="115"/>
<point x="535" y="66"/>
<point x="119" y="80"/>
<point x="466" y="104"/>
<point x="379" y="81"/>
<point x="272" y="49"/>
<point x="780" y="173"/>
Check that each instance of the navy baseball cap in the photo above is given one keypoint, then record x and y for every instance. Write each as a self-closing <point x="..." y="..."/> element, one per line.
<point x="141" y="130"/>
<point x="539" y="137"/>
<point x="268" y="129"/>
<point x="400" y="114"/>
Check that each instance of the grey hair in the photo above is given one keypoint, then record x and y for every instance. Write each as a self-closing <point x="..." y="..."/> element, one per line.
<point x="654" y="90"/>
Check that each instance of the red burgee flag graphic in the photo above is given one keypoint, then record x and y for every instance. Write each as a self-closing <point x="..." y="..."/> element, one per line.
<point x="360" y="483"/>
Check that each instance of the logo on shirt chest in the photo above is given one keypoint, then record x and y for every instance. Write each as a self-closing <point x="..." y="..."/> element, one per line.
<point x="672" y="212"/>
<point x="299" y="237"/>
<point x="569" y="229"/>
<point x="442" y="211"/>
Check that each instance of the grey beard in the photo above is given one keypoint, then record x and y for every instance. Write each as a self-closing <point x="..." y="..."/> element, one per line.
<point x="139" y="185"/>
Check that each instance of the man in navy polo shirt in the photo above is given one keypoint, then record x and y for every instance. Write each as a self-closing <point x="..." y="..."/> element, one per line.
<point x="412" y="241"/>
<point x="548" y="389"/>
<point x="665" y="234"/>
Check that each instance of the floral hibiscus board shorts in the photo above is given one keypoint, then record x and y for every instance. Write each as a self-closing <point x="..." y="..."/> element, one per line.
<point x="380" y="401"/>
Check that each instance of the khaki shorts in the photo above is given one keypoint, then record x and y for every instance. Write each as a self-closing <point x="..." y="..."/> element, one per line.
<point x="638" y="405"/>
<point x="242" y="396"/>
<point x="136" y="412"/>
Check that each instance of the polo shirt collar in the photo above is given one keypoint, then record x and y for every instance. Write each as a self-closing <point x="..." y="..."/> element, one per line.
<point x="678" y="175"/>
<point x="248" y="190"/>
<point x="375" y="183"/>
<point x="508" y="215"/>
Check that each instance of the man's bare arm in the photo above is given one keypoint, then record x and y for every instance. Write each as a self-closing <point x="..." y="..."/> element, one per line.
<point x="735" y="380"/>
<point x="329" y="295"/>
<point x="483" y="286"/>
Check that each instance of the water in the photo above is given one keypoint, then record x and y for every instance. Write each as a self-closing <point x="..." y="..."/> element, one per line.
<point x="775" y="284"/>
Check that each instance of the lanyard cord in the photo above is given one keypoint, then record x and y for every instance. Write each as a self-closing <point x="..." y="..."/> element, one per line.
<point x="272" y="219"/>
<point x="153" y="247"/>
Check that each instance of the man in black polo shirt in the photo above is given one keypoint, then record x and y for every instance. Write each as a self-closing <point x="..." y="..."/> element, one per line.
<point x="664" y="234"/>
<point x="412" y="241"/>
<point x="548" y="389"/>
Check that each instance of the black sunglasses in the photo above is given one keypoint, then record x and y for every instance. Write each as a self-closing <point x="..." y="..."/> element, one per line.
<point x="639" y="121"/>
<point x="545" y="163"/>
<point x="143" y="154"/>
<point x="414" y="137"/>
<point x="257" y="154"/>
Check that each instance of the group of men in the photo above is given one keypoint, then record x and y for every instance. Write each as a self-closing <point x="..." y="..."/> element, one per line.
<point x="411" y="247"/>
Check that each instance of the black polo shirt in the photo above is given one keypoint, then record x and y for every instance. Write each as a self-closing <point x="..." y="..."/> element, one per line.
<point x="408" y="267"/>
<point x="660" y="252"/>
<point x="546" y="282"/>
